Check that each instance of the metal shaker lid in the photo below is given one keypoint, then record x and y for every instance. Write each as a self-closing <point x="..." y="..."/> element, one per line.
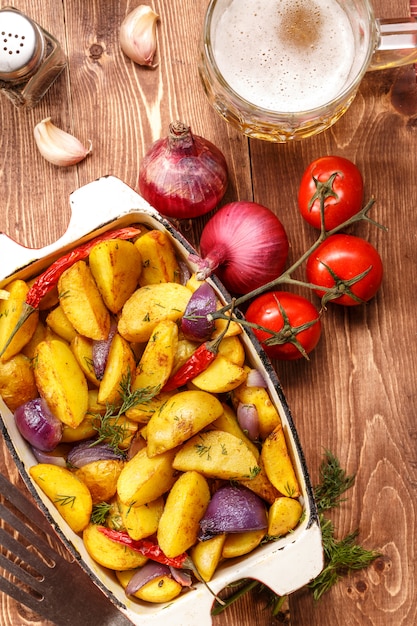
<point x="21" y="46"/>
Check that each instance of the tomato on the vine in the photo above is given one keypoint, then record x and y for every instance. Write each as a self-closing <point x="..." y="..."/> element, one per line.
<point x="338" y="261"/>
<point x="341" y="182"/>
<point x="293" y="317"/>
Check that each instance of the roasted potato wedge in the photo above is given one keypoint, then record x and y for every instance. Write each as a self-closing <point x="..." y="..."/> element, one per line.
<point x="183" y="415"/>
<point x="68" y="493"/>
<point x="109" y="553"/>
<point x="17" y="381"/>
<point x="59" y="323"/>
<point x="10" y="311"/>
<point x="278" y="464"/>
<point x="284" y="515"/>
<point x="144" y="479"/>
<point x="116" y="266"/>
<point x="149" y="305"/>
<point x="120" y="365"/>
<point x="159" y="262"/>
<point x="82" y="303"/>
<point x="217" y="454"/>
<point x="61" y="382"/>
<point x="185" y="506"/>
<point x="100" y="478"/>
<point x="155" y="366"/>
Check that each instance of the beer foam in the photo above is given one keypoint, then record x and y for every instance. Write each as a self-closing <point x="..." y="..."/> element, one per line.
<point x="284" y="55"/>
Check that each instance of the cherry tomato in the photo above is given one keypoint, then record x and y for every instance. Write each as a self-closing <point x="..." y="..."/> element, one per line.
<point x="340" y="181"/>
<point x="341" y="258"/>
<point x="286" y="312"/>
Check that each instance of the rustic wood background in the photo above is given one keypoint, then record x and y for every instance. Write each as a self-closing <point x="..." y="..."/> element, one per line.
<point x="357" y="395"/>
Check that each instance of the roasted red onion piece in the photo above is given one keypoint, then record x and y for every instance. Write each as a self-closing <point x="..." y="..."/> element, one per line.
<point x="101" y="349"/>
<point x="233" y="509"/>
<point x="49" y="457"/>
<point x="255" y="379"/>
<point x="194" y="324"/>
<point x="38" y="425"/>
<point x="86" y="452"/>
<point x="145" y="574"/>
<point x="248" y="418"/>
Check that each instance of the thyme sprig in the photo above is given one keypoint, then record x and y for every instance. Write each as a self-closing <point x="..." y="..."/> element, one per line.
<point x="340" y="555"/>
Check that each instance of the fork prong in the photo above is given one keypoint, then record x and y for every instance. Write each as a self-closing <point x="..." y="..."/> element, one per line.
<point x="21" y="574"/>
<point x="22" y="552"/>
<point x="23" y="529"/>
<point x="20" y="595"/>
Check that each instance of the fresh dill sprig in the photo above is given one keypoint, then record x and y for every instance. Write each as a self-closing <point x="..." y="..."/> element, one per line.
<point x="100" y="512"/>
<point x="333" y="483"/>
<point x="109" y="429"/>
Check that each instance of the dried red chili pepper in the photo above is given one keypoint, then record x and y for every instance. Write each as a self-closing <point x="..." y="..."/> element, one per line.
<point x="49" y="278"/>
<point x="147" y="548"/>
<point x="197" y="363"/>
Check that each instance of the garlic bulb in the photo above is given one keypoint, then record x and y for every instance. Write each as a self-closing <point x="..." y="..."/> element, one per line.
<point x="57" y="146"/>
<point x="138" y="35"/>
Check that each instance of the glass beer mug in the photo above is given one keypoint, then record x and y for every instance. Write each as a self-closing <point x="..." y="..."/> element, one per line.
<point x="281" y="70"/>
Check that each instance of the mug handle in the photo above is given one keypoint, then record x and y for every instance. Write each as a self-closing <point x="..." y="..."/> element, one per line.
<point x="396" y="45"/>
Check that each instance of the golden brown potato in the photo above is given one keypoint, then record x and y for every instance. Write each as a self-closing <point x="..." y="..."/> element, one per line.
<point x="221" y="376"/>
<point x="39" y="335"/>
<point x="109" y="553"/>
<point x="116" y="266"/>
<point x="10" y="311"/>
<point x="216" y="454"/>
<point x="144" y="479"/>
<point x="17" y="381"/>
<point x="100" y="478"/>
<point x="61" y="382"/>
<point x="159" y="262"/>
<point x="185" y="506"/>
<point x="181" y="417"/>
<point x="155" y="366"/>
<point x="228" y="422"/>
<point x="238" y="544"/>
<point x="82" y="347"/>
<point x="57" y="321"/>
<point x="141" y="521"/>
<point x="143" y="411"/>
<point x="284" y="515"/>
<point x="206" y="556"/>
<point x="82" y="303"/>
<point x="267" y="413"/>
<point x="120" y="366"/>
<point x="157" y="590"/>
<point x="149" y="305"/>
<point x="278" y="464"/>
<point x="68" y="493"/>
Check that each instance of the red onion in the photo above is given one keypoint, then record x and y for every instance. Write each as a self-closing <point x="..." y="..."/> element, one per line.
<point x="183" y="175"/>
<point x="38" y="425"/>
<point x="194" y="324"/>
<point x="233" y="509"/>
<point x="255" y="379"/>
<point x="245" y="244"/>
<point x="87" y="452"/>
<point x="248" y="418"/>
<point x="145" y="574"/>
<point x="101" y="349"/>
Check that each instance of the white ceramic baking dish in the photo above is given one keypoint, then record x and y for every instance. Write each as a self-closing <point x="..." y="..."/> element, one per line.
<point x="285" y="565"/>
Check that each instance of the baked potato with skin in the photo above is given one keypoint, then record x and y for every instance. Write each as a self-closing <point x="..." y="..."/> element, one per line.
<point x="17" y="381"/>
<point x="10" y="311"/>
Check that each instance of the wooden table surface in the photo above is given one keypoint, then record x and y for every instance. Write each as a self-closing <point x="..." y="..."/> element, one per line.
<point x="357" y="395"/>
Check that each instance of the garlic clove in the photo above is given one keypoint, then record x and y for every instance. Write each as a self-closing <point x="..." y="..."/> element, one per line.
<point x="138" y="35"/>
<point x="57" y="146"/>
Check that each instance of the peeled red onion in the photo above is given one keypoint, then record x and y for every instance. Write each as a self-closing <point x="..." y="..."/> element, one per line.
<point x="248" y="418"/>
<point x="88" y="452"/>
<point x="101" y="349"/>
<point x="233" y="509"/>
<point x="145" y="574"/>
<point x="194" y="324"/>
<point x="38" y="425"/>
<point x="183" y="175"/>
<point x="245" y="245"/>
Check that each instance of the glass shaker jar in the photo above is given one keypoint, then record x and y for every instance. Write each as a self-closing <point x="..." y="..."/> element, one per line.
<point x="30" y="58"/>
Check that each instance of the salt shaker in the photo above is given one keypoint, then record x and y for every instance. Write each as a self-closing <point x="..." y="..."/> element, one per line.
<point x="30" y="58"/>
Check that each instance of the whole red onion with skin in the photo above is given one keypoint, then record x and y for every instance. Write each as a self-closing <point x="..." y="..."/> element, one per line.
<point x="245" y="245"/>
<point x="183" y="175"/>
